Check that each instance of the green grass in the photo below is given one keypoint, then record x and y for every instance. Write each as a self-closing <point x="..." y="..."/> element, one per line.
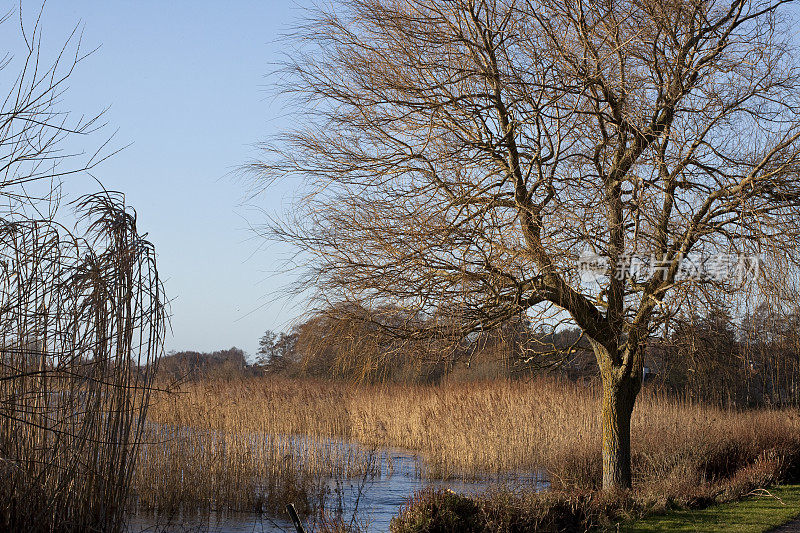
<point x="755" y="514"/>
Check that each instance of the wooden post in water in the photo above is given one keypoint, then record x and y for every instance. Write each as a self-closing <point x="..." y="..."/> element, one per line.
<point x="296" y="519"/>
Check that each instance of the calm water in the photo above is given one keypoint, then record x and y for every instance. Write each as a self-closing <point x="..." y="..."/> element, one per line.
<point x="371" y="502"/>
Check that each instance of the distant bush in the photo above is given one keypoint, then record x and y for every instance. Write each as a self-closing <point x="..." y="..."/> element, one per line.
<point x="191" y="365"/>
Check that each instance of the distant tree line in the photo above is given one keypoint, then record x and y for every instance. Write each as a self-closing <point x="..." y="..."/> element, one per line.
<point x="709" y="356"/>
<point x="754" y="360"/>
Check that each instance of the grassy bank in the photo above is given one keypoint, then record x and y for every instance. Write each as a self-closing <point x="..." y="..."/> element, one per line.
<point x="760" y="512"/>
<point x="685" y="455"/>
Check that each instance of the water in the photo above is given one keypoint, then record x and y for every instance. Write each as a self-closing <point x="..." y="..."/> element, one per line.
<point x="236" y="523"/>
<point x="380" y="499"/>
<point x="369" y="502"/>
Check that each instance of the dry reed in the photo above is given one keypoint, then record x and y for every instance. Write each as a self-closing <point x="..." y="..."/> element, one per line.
<point x="469" y="430"/>
<point x="189" y="470"/>
<point x="77" y="318"/>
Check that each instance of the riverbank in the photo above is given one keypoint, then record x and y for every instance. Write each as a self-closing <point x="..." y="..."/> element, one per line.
<point x="763" y="511"/>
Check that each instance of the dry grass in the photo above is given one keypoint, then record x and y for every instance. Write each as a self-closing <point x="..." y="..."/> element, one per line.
<point x="76" y="320"/>
<point x="470" y="429"/>
<point x="461" y="429"/>
<point x="189" y="469"/>
<point x="214" y="447"/>
<point x="242" y="448"/>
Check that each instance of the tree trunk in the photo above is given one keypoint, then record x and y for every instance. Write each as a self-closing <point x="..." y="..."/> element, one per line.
<point x="621" y="385"/>
<point x="619" y="396"/>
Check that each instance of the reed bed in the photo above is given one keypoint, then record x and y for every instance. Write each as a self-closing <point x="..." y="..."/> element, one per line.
<point x="189" y="469"/>
<point x="475" y="429"/>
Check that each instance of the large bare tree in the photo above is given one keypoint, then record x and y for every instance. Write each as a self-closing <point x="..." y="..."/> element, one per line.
<point x="462" y="158"/>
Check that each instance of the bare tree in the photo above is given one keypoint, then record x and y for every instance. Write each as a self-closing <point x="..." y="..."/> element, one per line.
<point x="463" y="157"/>
<point x="82" y="314"/>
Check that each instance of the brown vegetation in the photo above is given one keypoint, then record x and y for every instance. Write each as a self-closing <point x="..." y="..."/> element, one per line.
<point x="182" y="471"/>
<point x="175" y="367"/>
<point x="707" y="356"/>
<point x="76" y="321"/>
<point x="82" y="312"/>
<point x="215" y="446"/>
<point x="685" y="454"/>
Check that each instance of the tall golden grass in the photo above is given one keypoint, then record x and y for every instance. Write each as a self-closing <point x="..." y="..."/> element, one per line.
<point x="213" y="446"/>
<point x="463" y="430"/>
<point x="185" y="470"/>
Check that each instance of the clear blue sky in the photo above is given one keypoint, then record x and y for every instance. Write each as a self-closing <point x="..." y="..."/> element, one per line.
<point x="186" y="85"/>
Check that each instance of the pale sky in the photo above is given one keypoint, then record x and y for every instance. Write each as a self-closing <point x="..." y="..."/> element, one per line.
<point x="186" y="87"/>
